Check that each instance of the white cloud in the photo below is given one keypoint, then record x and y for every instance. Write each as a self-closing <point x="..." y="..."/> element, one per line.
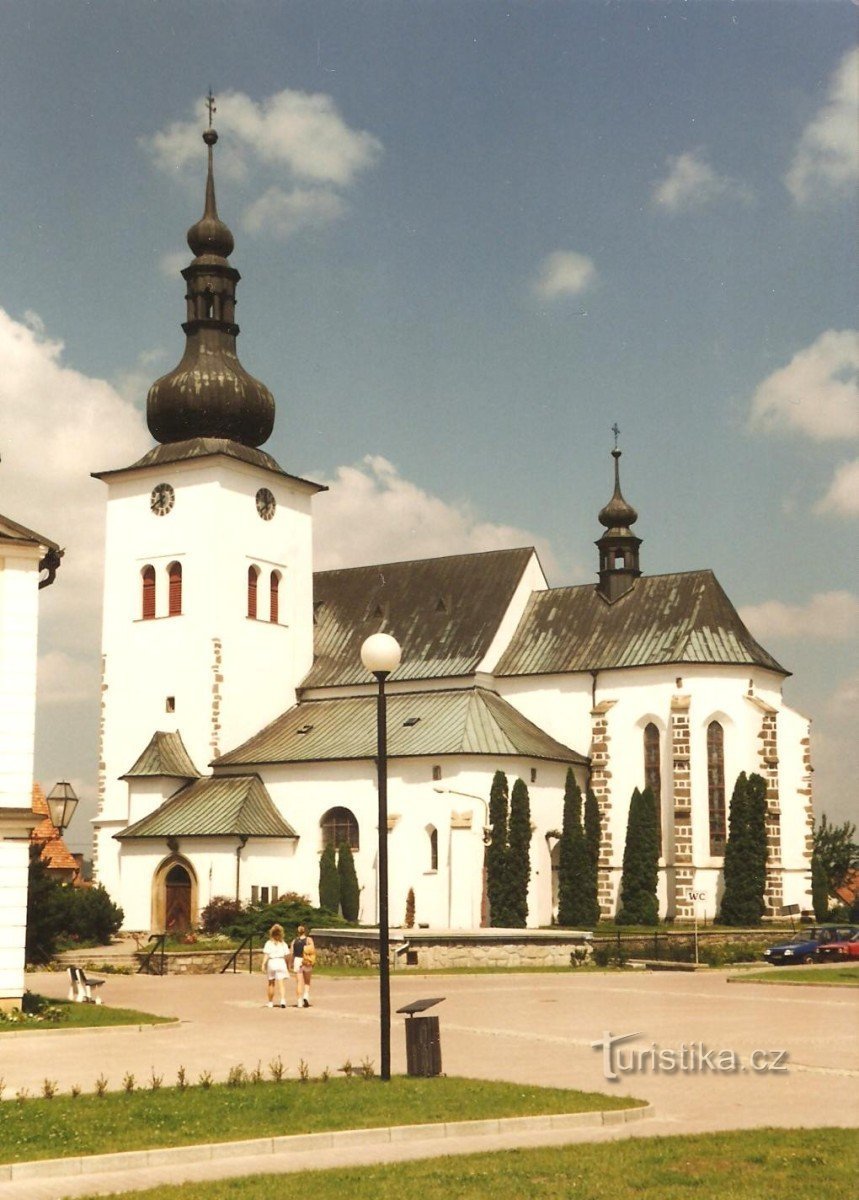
<point x="57" y="425"/>
<point x="842" y="498"/>
<point x="827" y="616"/>
<point x="826" y="161"/>
<point x="372" y="514"/>
<point x="173" y="263"/>
<point x="300" y="131"/>
<point x="282" y="214"/>
<point x="816" y="393"/>
<point x="692" y="183"/>
<point x="564" y="273"/>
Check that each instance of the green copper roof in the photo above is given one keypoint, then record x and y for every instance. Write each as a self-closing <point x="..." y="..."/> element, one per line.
<point x="444" y="612"/>
<point x="462" y="721"/>
<point x="165" y="755"/>
<point x="218" y="806"/>
<point x="683" y="618"/>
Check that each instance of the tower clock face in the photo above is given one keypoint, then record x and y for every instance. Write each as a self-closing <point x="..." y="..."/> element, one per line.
<point x="162" y="499"/>
<point x="266" y="504"/>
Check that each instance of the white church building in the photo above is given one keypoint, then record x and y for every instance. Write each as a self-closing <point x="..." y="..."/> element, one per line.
<point x="238" y="725"/>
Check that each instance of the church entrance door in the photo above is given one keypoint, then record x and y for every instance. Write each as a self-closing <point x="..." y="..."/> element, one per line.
<point x="177" y="908"/>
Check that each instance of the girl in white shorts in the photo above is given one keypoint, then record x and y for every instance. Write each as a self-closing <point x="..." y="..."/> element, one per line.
<point x="274" y="963"/>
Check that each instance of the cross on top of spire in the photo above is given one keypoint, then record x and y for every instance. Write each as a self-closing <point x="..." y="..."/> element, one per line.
<point x="616" y="431"/>
<point x="211" y="106"/>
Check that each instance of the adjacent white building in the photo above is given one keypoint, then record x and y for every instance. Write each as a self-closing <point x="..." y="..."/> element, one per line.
<point x="28" y="561"/>
<point x="238" y="724"/>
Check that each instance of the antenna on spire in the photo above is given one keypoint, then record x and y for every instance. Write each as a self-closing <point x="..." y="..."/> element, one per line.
<point x="212" y="107"/>
<point x="616" y="431"/>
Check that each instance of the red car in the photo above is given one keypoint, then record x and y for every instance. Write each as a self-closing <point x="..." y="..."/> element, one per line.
<point x="836" y="951"/>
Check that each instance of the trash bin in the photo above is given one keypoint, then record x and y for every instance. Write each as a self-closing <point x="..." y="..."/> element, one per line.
<point x="423" y="1040"/>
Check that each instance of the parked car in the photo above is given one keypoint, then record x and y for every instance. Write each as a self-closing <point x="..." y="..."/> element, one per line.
<point x="804" y="947"/>
<point x="836" y="951"/>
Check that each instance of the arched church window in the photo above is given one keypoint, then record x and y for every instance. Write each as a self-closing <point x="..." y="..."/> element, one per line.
<point x="253" y="576"/>
<point x="147" y="576"/>
<point x="716" y="786"/>
<point x="339" y="826"/>
<point x="174" y="592"/>
<point x="653" y="772"/>
<point x="274" y="597"/>
<point x="433" y="841"/>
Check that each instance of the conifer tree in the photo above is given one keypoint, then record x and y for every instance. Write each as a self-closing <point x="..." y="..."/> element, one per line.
<point x="409" y="921"/>
<point x="350" y="895"/>
<point x="574" y="869"/>
<point x="745" y="853"/>
<point x="329" y="880"/>
<point x="497" y="882"/>
<point x="638" y="903"/>
<point x="593" y="834"/>
<point x="519" y="854"/>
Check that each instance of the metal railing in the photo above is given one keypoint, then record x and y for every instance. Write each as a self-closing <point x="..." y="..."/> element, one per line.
<point x="232" y="961"/>
<point x="145" y="967"/>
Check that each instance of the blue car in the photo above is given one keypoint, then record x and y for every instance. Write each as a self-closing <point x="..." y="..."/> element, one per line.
<point x="803" y="947"/>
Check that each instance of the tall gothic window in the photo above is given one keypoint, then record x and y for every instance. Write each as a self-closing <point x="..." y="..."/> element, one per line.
<point x="339" y="826"/>
<point x="147" y="576"/>
<point x="653" y="773"/>
<point x="174" y="591"/>
<point x="433" y="841"/>
<point x="274" y="597"/>
<point x="253" y="575"/>
<point x="716" y="786"/>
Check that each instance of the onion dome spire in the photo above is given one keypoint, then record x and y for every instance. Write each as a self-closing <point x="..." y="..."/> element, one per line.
<point x="210" y="394"/>
<point x="618" y="546"/>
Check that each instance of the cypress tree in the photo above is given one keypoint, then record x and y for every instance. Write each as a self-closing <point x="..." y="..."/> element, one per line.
<point x="350" y="896"/>
<point x="574" y="873"/>
<point x="519" y="854"/>
<point x="497" y="882"/>
<point x="329" y="880"/>
<point x="593" y="833"/>
<point x="638" y="903"/>
<point x="745" y="862"/>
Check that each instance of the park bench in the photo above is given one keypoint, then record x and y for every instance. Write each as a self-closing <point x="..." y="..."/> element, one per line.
<point x="81" y="986"/>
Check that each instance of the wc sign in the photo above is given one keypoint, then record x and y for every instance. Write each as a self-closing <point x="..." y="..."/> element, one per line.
<point x="696" y="898"/>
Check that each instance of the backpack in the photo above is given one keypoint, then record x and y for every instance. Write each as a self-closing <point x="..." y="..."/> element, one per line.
<point x="308" y="958"/>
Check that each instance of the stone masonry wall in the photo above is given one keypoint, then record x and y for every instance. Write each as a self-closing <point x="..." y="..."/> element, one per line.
<point x="681" y="781"/>
<point x="600" y="756"/>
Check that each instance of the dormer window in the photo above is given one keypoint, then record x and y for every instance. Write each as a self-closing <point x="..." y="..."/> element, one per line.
<point x="410" y="722"/>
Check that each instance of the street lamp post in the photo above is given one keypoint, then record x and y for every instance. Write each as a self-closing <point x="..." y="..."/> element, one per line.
<point x="62" y="803"/>
<point x="380" y="654"/>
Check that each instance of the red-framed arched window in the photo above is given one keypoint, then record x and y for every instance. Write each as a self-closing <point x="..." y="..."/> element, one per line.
<point x="147" y="576"/>
<point x="274" y="597"/>
<point x="174" y="590"/>
<point x="653" y="773"/>
<point x="716" y="786"/>
<point x="253" y="576"/>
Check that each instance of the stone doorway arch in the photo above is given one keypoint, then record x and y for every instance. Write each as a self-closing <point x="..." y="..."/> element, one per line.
<point x="174" y="896"/>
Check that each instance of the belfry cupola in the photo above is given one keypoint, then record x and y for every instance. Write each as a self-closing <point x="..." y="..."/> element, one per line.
<point x="210" y="394"/>
<point x="618" y="546"/>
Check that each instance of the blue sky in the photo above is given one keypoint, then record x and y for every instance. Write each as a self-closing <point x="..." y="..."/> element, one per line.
<point x="471" y="236"/>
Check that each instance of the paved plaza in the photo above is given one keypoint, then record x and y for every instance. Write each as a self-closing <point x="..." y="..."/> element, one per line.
<point x="531" y="1028"/>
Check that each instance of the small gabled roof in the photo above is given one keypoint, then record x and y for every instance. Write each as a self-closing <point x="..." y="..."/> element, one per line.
<point x="217" y="806"/>
<point x="682" y="618"/>
<point x="165" y="756"/>
<point x="444" y="612"/>
<point x="207" y="447"/>
<point x="13" y="532"/>
<point x="461" y="721"/>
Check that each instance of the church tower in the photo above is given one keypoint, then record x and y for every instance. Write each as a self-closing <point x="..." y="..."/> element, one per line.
<point x="618" y="546"/>
<point x="208" y="606"/>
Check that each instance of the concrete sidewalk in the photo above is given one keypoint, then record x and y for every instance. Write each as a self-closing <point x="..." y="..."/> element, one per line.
<point x="537" y="1029"/>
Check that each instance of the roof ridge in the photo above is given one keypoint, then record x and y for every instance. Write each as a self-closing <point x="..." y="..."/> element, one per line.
<point x="410" y="562"/>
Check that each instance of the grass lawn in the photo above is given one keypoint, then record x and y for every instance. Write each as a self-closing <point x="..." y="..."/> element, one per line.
<point x="758" y="1164"/>
<point x="813" y="976"/>
<point x="168" y="1116"/>
<point x="62" y="1014"/>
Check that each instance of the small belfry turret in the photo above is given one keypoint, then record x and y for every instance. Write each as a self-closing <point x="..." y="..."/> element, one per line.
<point x="210" y="394"/>
<point x="618" y="546"/>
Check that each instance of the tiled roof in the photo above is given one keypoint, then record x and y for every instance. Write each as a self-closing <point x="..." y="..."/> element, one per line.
<point x="434" y="723"/>
<point x="682" y="618"/>
<point x="54" y="851"/>
<point x="220" y="806"/>
<point x="444" y="612"/>
<point x="170" y="452"/>
<point x="165" y="755"/>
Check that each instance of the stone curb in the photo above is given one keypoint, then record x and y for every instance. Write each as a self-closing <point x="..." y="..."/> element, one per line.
<point x="99" y="1164"/>
<point x="171" y="1023"/>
